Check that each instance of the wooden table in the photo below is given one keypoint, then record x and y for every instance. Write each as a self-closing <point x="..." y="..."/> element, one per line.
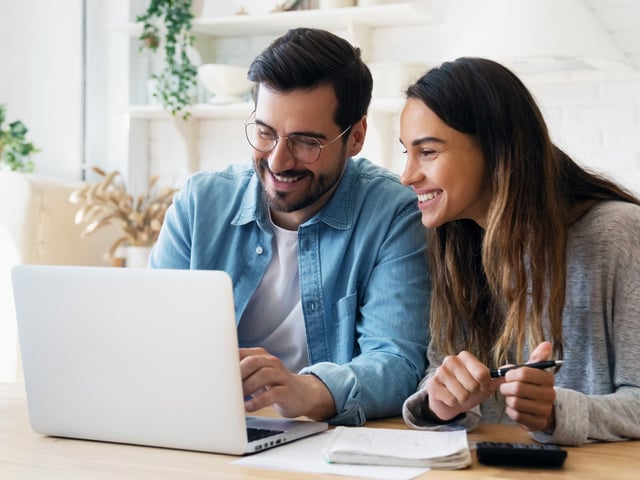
<point x="25" y="455"/>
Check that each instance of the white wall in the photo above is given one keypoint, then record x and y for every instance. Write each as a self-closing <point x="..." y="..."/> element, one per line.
<point x="41" y="78"/>
<point x="594" y="116"/>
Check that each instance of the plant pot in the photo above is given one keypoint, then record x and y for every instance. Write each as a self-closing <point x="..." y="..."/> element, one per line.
<point x="196" y="8"/>
<point x="136" y="256"/>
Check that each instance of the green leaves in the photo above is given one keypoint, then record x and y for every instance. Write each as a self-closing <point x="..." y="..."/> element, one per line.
<point x="15" y="150"/>
<point x="177" y="82"/>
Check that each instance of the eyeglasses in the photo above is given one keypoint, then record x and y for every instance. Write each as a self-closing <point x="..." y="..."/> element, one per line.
<point x="304" y="149"/>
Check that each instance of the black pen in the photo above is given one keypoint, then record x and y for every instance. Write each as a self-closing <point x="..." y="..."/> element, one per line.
<point x="500" y="372"/>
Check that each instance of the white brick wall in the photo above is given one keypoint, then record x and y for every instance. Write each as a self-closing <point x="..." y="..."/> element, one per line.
<point x="597" y="122"/>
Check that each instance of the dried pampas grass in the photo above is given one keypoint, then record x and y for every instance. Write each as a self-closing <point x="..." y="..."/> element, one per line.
<point x="108" y="203"/>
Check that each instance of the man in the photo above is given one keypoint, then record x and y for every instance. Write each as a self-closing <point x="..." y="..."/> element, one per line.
<point x="326" y="252"/>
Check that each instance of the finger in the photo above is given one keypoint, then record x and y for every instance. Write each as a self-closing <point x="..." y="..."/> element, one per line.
<point x="454" y="382"/>
<point x="254" y="359"/>
<point x="246" y="352"/>
<point x="530" y="376"/>
<point x="531" y="413"/>
<point x="438" y="391"/>
<point x="441" y="402"/>
<point x="467" y="371"/>
<point x="479" y="378"/>
<point x="539" y="403"/>
<point x="255" y="378"/>
<point x="541" y="352"/>
<point x="447" y="387"/>
<point x="260" y="399"/>
<point x="525" y="401"/>
<point x="260" y="371"/>
<point x="528" y="421"/>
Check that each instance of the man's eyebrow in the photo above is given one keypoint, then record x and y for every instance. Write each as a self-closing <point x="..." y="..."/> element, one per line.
<point x="301" y="133"/>
<point x="261" y="123"/>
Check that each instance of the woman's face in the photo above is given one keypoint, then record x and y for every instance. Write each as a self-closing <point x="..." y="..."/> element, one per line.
<point x="444" y="167"/>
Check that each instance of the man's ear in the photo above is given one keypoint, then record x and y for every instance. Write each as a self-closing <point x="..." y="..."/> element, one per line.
<point x="357" y="135"/>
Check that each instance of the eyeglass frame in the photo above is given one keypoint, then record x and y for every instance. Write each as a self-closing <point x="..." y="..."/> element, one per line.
<point x="289" y="143"/>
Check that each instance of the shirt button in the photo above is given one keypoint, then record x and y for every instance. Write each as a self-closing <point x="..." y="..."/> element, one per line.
<point x="259" y="250"/>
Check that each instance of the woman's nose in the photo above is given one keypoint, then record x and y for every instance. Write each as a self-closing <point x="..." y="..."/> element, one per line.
<point x="409" y="174"/>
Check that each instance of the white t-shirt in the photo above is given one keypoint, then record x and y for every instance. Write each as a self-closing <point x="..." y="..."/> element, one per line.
<point x="273" y="318"/>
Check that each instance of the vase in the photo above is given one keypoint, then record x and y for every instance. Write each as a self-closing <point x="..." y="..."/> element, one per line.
<point x="196" y="8"/>
<point x="136" y="256"/>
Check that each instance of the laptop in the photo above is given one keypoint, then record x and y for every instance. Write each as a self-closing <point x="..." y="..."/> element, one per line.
<point x="138" y="356"/>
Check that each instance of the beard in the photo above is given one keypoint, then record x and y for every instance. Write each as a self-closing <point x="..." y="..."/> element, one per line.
<point x="287" y="202"/>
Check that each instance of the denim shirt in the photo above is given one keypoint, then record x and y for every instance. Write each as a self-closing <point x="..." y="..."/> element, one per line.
<point x="364" y="285"/>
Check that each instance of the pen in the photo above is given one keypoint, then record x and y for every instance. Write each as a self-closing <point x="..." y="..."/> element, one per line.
<point x="500" y="372"/>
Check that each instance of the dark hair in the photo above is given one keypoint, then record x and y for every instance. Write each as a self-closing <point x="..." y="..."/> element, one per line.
<point x="305" y="58"/>
<point x="496" y="285"/>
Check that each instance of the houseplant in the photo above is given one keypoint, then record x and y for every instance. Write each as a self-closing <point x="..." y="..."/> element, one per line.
<point x="168" y="23"/>
<point x="107" y="202"/>
<point x="15" y="149"/>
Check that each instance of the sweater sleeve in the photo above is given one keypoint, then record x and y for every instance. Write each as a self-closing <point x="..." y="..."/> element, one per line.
<point x="584" y="418"/>
<point x="415" y="417"/>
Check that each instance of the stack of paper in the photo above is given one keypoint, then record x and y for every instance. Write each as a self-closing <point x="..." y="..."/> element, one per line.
<point x="408" y="448"/>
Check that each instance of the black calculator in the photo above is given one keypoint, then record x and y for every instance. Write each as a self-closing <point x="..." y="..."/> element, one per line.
<point x="520" y="454"/>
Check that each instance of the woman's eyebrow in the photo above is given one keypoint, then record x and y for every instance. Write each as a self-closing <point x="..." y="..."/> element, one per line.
<point x="419" y="141"/>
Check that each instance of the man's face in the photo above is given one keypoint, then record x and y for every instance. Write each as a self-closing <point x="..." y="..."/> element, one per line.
<point x="296" y="190"/>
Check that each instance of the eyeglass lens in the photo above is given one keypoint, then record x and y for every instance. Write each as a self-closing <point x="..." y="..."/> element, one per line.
<point x="304" y="149"/>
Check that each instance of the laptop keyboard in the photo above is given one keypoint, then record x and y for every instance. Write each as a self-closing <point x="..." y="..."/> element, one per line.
<point x="258" y="433"/>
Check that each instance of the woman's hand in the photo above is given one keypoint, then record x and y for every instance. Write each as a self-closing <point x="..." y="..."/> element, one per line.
<point x="459" y="384"/>
<point x="529" y="393"/>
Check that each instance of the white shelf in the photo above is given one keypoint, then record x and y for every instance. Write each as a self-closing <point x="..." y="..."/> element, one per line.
<point x="240" y="110"/>
<point x="202" y="110"/>
<point x="377" y="16"/>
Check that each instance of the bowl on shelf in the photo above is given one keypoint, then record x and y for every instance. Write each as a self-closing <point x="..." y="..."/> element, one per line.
<point x="227" y="83"/>
<point x="263" y="7"/>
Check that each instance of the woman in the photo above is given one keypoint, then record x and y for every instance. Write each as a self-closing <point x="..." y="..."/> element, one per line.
<point x="532" y="257"/>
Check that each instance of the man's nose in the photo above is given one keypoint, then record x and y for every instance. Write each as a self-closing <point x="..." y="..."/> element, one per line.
<point x="280" y="158"/>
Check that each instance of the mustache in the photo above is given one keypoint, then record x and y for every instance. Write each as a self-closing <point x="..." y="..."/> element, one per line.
<point x="263" y="164"/>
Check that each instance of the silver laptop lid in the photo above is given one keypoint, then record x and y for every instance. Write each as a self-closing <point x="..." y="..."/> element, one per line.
<point x="135" y="356"/>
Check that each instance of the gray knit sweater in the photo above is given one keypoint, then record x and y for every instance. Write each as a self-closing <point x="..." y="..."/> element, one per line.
<point x="598" y="386"/>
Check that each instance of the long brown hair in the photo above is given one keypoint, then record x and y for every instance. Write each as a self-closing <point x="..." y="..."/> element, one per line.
<point x="492" y="290"/>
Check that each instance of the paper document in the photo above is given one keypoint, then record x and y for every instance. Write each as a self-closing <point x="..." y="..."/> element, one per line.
<point x="411" y="448"/>
<point x="305" y="456"/>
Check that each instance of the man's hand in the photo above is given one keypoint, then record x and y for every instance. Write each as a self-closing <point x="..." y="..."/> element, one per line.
<point x="459" y="384"/>
<point x="529" y="393"/>
<point x="266" y="381"/>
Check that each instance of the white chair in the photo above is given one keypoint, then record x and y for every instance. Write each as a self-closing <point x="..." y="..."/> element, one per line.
<point x="37" y="226"/>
